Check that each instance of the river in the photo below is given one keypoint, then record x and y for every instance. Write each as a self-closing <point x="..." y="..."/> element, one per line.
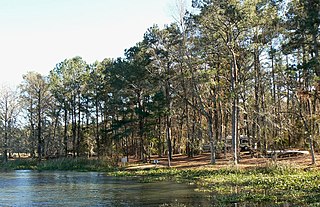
<point x="31" y="188"/>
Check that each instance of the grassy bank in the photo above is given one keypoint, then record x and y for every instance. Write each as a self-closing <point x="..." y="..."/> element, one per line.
<point x="272" y="185"/>
<point x="62" y="164"/>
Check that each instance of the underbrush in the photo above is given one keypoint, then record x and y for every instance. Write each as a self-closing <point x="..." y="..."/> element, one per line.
<point x="62" y="164"/>
<point x="19" y="164"/>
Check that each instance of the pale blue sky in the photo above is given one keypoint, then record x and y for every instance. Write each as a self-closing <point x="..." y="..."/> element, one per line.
<point x="37" y="34"/>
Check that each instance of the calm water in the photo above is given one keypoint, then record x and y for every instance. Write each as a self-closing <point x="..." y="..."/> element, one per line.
<point x="29" y="188"/>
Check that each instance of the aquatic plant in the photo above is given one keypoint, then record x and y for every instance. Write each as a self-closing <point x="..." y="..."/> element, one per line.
<point x="273" y="184"/>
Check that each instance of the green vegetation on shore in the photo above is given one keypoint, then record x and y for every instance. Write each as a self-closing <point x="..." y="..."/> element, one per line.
<point x="273" y="184"/>
<point x="62" y="164"/>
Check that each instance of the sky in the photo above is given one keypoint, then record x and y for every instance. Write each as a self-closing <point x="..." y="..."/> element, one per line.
<point x="35" y="35"/>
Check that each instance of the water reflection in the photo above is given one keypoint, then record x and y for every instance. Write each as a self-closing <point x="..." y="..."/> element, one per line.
<point x="28" y="188"/>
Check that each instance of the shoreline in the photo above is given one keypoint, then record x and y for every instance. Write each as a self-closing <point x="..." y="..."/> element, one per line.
<point x="260" y="180"/>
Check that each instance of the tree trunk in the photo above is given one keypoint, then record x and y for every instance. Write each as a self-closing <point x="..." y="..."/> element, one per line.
<point x="210" y="134"/>
<point x="313" y="158"/>
<point x="79" y="126"/>
<point x="65" y="131"/>
<point x="234" y="109"/>
<point x="141" y="127"/>
<point x="5" y="153"/>
<point x="39" y="127"/>
<point x="168" y="116"/>
<point x="97" y="128"/>
<point x="311" y="129"/>
<point x="159" y="137"/>
<point x="168" y="137"/>
<point x="73" y="118"/>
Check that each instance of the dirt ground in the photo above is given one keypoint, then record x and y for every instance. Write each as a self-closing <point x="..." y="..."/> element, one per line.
<point x="203" y="161"/>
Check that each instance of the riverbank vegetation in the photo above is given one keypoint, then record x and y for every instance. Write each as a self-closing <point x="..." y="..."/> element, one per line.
<point x="61" y="164"/>
<point x="274" y="185"/>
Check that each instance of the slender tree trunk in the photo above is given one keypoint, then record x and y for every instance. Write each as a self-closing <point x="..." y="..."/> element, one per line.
<point x="141" y="127"/>
<point x="188" y="128"/>
<point x="274" y="129"/>
<point x="168" y="116"/>
<point x="159" y="138"/>
<point x="210" y="134"/>
<point x="32" y="133"/>
<point x="180" y="135"/>
<point x="313" y="158"/>
<point x="264" y="135"/>
<point x="234" y="109"/>
<point x="65" y="131"/>
<point x="97" y="128"/>
<point x="168" y="137"/>
<point x="79" y="126"/>
<point x="74" y="125"/>
<point x="39" y="127"/>
<point x="5" y="153"/>
<point x="174" y="142"/>
<point x="316" y="52"/>
<point x="216" y="123"/>
<point x="225" y="132"/>
<point x="127" y="147"/>
<point x="55" y="128"/>
<point x="311" y="128"/>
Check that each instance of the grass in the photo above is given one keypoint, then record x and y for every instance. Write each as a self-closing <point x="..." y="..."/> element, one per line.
<point x="61" y="164"/>
<point x="274" y="184"/>
<point x="19" y="164"/>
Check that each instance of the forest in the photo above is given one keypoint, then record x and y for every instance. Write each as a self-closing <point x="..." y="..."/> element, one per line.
<point x="230" y="69"/>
